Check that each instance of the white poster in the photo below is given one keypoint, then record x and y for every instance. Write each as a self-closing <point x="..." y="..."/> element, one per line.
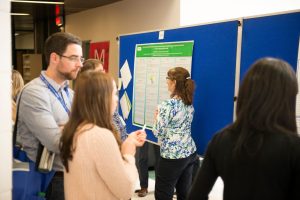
<point x="152" y="62"/>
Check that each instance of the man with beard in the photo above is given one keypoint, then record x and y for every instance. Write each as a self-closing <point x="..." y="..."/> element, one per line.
<point x="45" y="104"/>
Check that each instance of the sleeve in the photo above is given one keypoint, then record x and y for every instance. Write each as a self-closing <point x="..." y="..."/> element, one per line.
<point x="295" y="182"/>
<point x="120" y="125"/>
<point x="119" y="174"/>
<point x="205" y="178"/>
<point x="162" y="121"/>
<point x="36" y="113"/>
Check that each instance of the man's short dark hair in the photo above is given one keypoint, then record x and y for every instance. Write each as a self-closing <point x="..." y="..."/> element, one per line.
<point x="58" y="43"/>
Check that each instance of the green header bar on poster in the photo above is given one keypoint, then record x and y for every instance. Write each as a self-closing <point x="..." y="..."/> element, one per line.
<point x="178" y="49"/>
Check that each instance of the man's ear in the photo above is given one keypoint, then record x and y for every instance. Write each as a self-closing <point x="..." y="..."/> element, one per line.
<point x="54" y="58"/>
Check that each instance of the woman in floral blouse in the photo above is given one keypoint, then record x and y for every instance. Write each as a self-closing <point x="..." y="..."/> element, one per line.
<point x="173" y="129"/>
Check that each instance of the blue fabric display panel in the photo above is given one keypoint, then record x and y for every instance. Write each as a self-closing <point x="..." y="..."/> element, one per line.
<point x="213" y="69"/>
<point x="276" y="36"/>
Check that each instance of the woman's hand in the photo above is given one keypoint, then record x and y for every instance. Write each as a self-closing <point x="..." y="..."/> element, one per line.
<point x="135" y="139"/>
<point x="138" y="137"/>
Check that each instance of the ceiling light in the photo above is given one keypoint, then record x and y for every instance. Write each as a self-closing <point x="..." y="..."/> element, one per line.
<point x="19" y="14"/>
<point x="41" y="2"/>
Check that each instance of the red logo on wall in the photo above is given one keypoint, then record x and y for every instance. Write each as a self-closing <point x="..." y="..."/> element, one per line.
<point x="100" y="51"/>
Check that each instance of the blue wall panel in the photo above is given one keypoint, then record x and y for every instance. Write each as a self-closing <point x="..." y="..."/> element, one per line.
<point x="276" y="36"/>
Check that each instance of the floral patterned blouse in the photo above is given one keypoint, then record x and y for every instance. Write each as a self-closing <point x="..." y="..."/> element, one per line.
<point x="120" y="125"/>
<point x="173" y="129"/>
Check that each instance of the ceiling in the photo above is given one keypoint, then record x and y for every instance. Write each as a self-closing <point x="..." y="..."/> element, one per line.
<point x="24" y="24"/>
<point x="73" y="6"/>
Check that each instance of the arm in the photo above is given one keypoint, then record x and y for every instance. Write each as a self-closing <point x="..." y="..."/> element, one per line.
<point x="36" y="114"/>
<point x="162" y="120"/>
<point x="120" y="125"/>
<point x="205" y="178"/>
<point x="295" y="182"/>
<point x="119" y="174"/>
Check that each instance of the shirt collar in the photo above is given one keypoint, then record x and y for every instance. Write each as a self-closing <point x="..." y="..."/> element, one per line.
<point x="55" y="85"/>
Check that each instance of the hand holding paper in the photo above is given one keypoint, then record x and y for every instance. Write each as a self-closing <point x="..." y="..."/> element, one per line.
<point x="138" y="137"/>
<point x="135" y="139"/>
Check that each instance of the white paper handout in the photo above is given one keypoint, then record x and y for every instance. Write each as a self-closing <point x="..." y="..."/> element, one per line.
<point x="119" y="83"/>
<point x="125" y="74"/>
<point x="125" y="105"/>
<point x="161" y="35"/>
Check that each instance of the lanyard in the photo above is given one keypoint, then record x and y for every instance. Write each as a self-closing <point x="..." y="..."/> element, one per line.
<point x="56" y="94"/>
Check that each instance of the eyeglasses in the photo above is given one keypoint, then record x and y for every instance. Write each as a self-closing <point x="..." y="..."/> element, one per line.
<point x="73" y="58"/>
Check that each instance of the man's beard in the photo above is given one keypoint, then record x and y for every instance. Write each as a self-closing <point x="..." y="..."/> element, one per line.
<point x="69" y="75"/>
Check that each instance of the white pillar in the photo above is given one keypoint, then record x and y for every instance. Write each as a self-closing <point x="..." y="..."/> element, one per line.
<point x="5" y="102"/>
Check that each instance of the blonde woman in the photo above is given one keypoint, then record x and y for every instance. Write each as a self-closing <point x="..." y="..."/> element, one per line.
<point x="17" y="86"/>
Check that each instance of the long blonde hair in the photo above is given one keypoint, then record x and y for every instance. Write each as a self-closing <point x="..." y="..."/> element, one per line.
<point x="17" y="84"/>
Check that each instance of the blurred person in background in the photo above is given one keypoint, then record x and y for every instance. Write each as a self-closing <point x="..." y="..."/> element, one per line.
<point x="17" y="85"/>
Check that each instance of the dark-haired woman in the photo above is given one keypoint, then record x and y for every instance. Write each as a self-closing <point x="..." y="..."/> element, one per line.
<point x="97" y="165"/>
<point x="173" y="130"/>
<point x="258" y="156"/>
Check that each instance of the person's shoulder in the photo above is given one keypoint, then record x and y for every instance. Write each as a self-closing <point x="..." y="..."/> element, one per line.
<point x="167" y="101"/>
<point x="34" y="90"/>
<point x="36" y="85"/>
<point x="170" y="102"/>
<point x="295" y="141"/>
<point x="164" y="104"/>
<point x="222" y="135"/>
<point x="290" y="142"/>
<point x="96" y="131"/>
<point x="101" y="129"/>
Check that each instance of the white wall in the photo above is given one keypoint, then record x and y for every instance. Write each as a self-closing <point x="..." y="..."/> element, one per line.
<point x="5" y="102"/>
<point x="204" y="11"/>
<point x="124" y="17"/>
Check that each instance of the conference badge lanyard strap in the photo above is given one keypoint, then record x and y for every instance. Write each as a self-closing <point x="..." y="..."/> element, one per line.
<point x="56" y="94"/>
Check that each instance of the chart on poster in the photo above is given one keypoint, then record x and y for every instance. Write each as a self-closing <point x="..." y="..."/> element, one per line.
<point x="152" y="62"/>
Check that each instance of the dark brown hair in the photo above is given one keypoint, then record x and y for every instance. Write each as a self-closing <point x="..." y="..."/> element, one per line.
<point x="185" y="86"/>
<point x="91" y="64"/>
<point x="266" y="104"/>
<point x="58" y="43"/>
<point x="92" y="104"/>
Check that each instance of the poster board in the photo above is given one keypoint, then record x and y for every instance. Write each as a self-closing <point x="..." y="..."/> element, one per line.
<point x="213" y="70"/>
<point x="274" y="36"/>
